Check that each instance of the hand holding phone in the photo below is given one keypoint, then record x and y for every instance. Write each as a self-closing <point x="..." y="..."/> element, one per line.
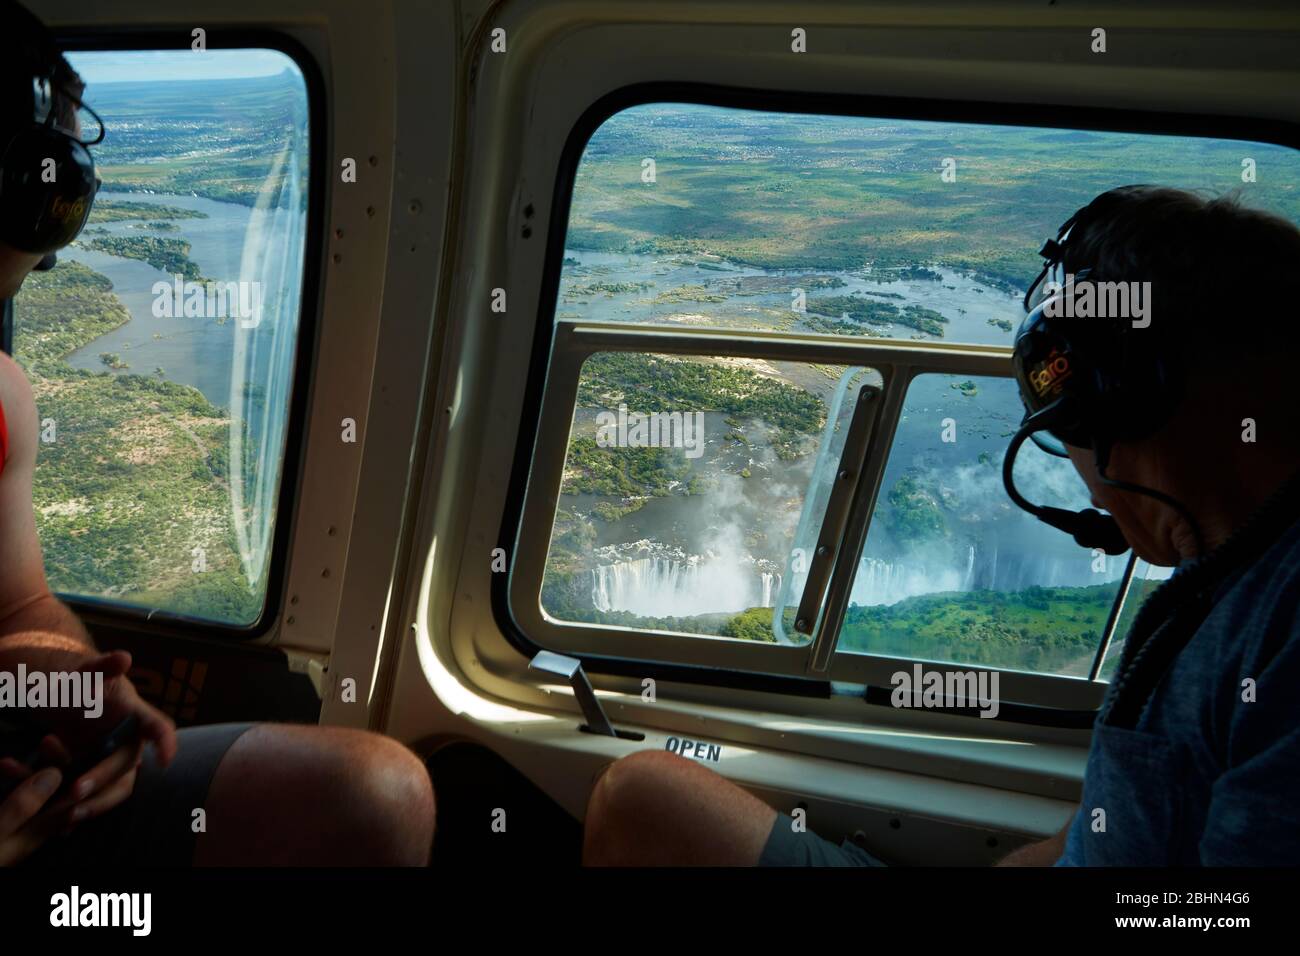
<point x="36" y="757"/>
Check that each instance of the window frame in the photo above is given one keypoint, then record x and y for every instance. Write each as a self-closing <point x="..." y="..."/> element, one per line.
<point x="1036" y="689"/>
<point x="575" y="342"/>
<point x="1070" y="697"/>
<point x="111" y="617"/>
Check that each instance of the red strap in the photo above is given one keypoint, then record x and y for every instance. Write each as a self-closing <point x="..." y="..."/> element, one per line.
<point x="4" y="439"/>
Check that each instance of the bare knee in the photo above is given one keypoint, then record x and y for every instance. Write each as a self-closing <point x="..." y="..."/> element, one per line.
<point x="387" y="801"/>
<point x="633" y="805"/>
<point x="319" y="796"/>
<point x="632" y="784"/>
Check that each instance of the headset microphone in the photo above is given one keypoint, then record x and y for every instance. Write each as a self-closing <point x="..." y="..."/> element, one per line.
<point x="1090" y="383"/>
<point x="1089" y="528"/>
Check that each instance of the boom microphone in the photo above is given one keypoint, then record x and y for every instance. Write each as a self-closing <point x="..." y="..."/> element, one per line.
<point x="1089" y="528"/>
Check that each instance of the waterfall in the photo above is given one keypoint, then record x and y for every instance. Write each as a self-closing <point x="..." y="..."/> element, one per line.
<point x="881" y="581"/>
<point x="683" y="585"/>
<point x="888" y="582"/>
<point x="678" y="587"/>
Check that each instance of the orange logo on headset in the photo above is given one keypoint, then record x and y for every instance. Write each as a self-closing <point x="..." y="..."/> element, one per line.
<point x="68" y="212"/>
<point x="1049" y="375"/>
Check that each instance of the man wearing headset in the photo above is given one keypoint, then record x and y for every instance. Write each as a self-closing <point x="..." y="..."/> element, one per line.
<point x="1186" y="429"/>
<point x="272" y="794"/>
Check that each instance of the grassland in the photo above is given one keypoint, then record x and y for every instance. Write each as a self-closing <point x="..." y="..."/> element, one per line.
<point x="220" y="139"/>
<point x="807" y="192"/>
<point x="135" y="476"/>
<point x="1056" y="630"/>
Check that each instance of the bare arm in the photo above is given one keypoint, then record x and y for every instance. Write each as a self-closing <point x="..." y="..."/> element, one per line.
<point x="38" y="630"/>
<point x="33" y="622"/>
<point x="1043" y="853"/>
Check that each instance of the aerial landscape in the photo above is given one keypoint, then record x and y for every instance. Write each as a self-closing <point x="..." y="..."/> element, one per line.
<point x="170" y="430"/>
<point x="136" y="496"/>
<point x="834" y="226"/>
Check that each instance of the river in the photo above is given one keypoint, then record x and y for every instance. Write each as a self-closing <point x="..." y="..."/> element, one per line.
<point x="193" y="351"/>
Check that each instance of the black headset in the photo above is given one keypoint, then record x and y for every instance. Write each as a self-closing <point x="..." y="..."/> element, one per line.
<point x="47" y="175"/>
<point x="1088" y="383"/>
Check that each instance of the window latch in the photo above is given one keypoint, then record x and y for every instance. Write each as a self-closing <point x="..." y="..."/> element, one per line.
<point x="570" y="668"/>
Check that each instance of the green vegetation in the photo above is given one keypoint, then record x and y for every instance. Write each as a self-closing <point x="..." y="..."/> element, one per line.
<point x="918" y="272"/>
<point x="116" y="210"/>
<point x="1054" y="630"/>
<point x="759" y="285"/>
<point x="649" y="383"/>
<point x="42" y="312"/>
<point x="860" y="309"/>
<point x="607" y="289"/>
<point x="172" y="256"/>
<point x="621" y="471"/>
<point x="755" y="625"/>
<point x="914" y="515"/>
<point x="688" y="293"/>
<point x="136" y="476"/>
<point x="608" y="511"/>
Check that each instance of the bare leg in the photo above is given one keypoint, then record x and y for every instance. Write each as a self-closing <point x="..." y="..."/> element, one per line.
<point x="654" y="808"/>
<point x="317" y="796"/>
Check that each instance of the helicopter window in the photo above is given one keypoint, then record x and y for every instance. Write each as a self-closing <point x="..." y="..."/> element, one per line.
<point x="162" y="346"/>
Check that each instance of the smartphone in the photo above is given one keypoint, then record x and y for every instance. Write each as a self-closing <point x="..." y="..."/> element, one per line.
<point x="120" y="736"/>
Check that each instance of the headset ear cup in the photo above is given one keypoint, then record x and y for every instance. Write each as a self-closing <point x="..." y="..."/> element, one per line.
<point x="1144" y="390"/>
<point x="1049" y="366"/>
<point x="47" y="186"/>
